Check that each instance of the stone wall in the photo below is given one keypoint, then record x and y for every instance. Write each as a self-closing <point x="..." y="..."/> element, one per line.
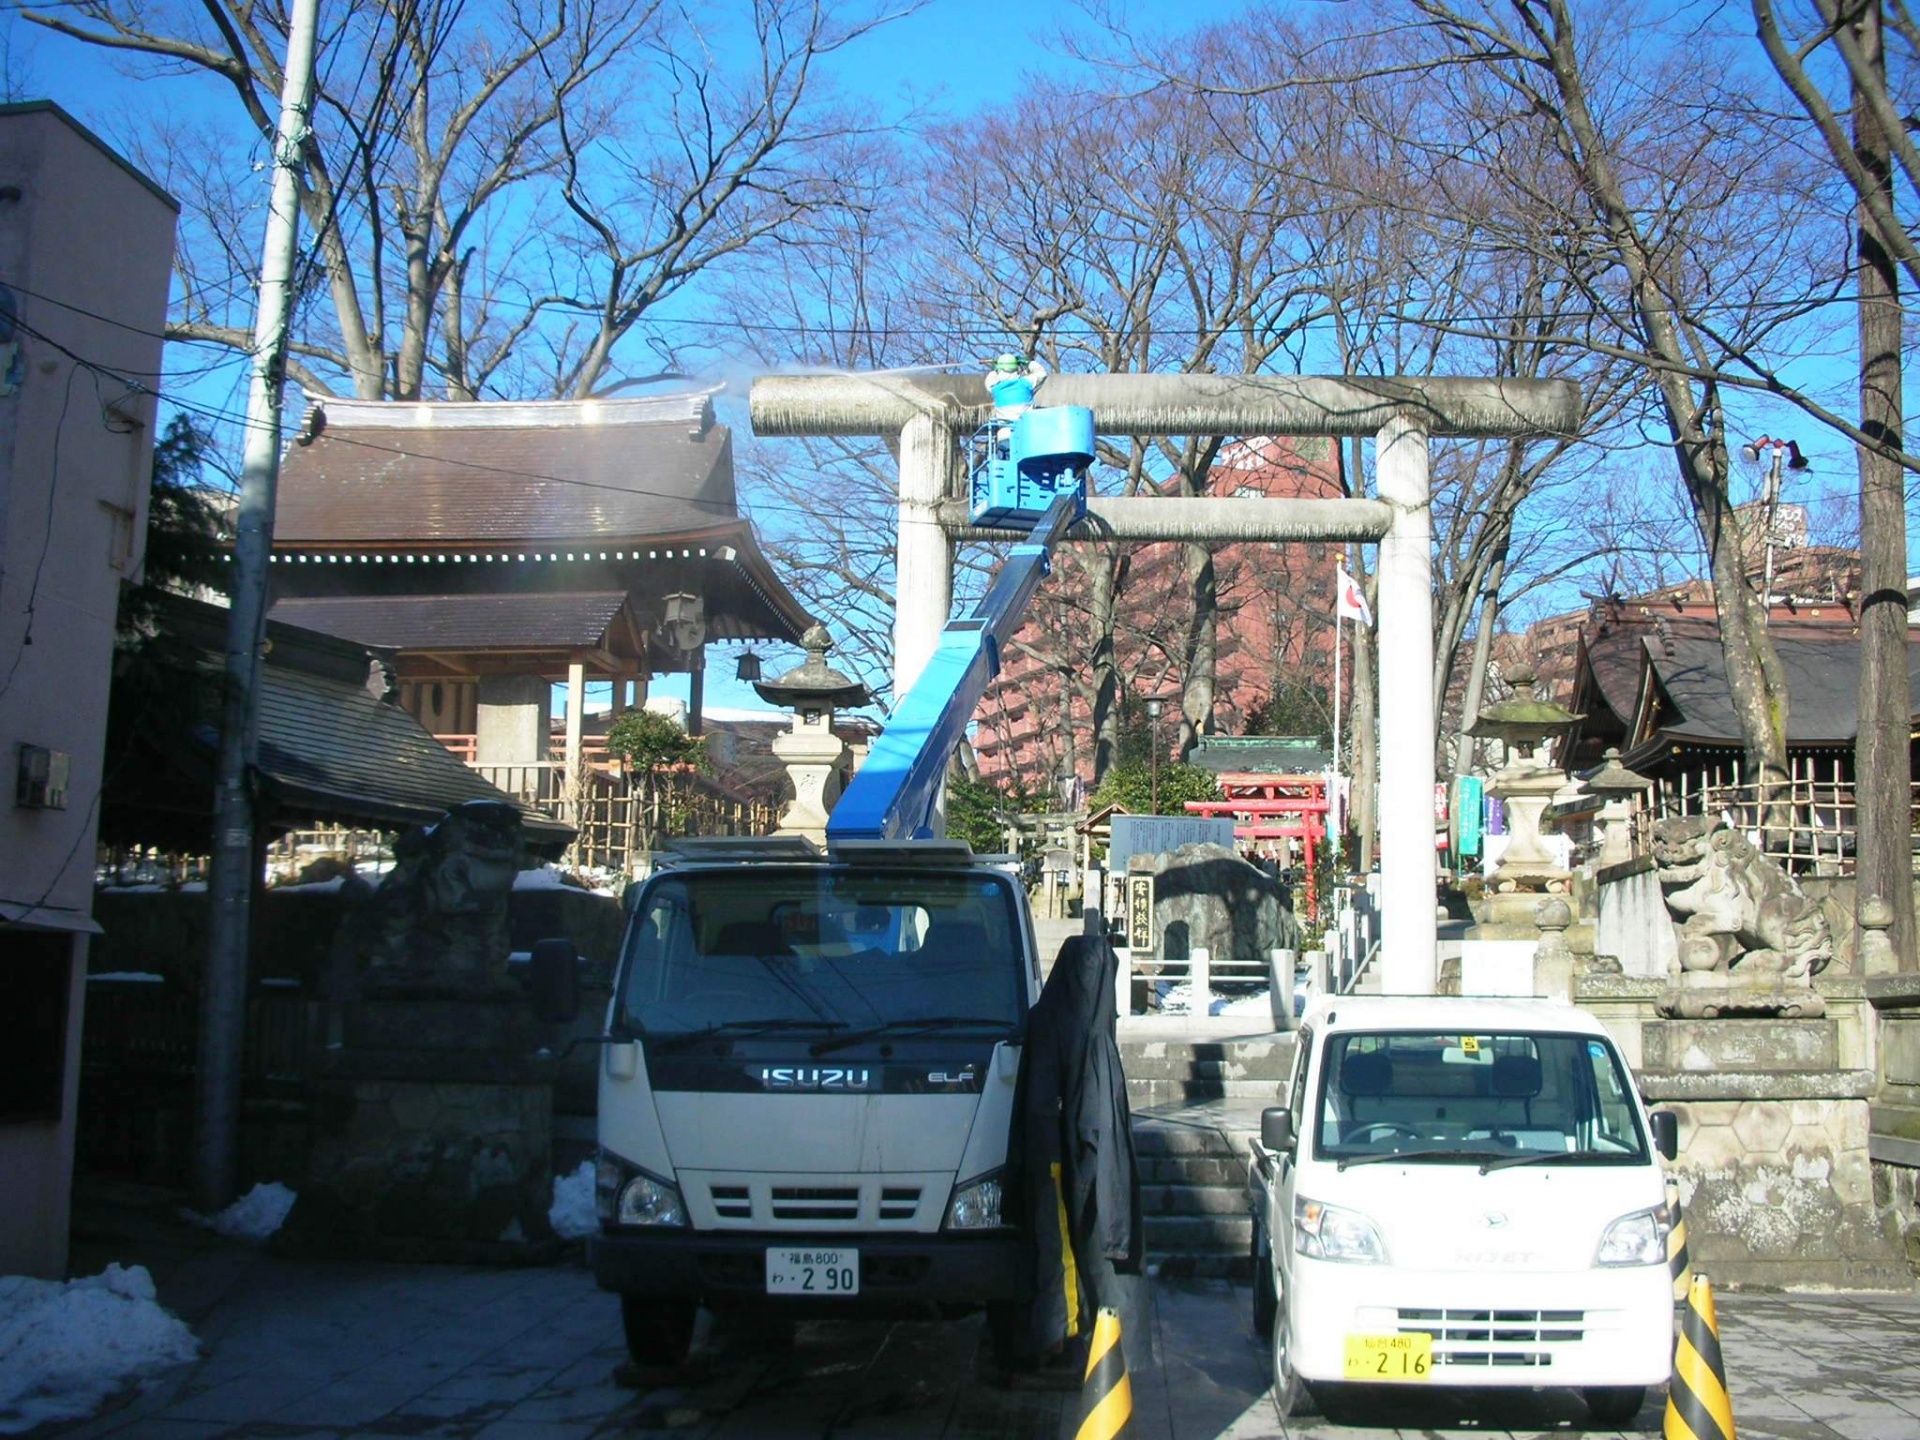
<point x="1775" y="1167"/>
<point x="137" y="1091"/>
<point x="1895" y="1138"/>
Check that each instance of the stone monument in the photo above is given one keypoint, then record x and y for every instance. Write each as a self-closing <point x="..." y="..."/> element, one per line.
<point x="812" y="753"/>
<point x="434" y="1119"/>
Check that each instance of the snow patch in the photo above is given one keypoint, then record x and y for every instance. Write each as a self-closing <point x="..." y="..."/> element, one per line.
<point x="545" y="878"/>
<point x="1180" y="998"/>
<point x="65" y="1347"/>
<point x="312" y="887"/>
<point x="572" y="1213"/>
<point x="254" y="1216"/>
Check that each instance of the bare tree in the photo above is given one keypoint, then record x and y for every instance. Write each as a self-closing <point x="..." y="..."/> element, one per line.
<point x="445" y="147"/>
<point x="1880" y="149"/>
<point x="1646" y="225"/>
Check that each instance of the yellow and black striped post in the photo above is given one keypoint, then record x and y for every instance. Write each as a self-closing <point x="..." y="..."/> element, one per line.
<point x="1107" y="1390"/>
<point x="1698" y="1406"/>
<point x="1678" y="1261"/>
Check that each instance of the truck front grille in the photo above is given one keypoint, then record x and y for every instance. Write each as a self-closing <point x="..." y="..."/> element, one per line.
<point x="1500" y="1339"/>
<point x="813" y="1202"/>
<point x="731" y="1200"/>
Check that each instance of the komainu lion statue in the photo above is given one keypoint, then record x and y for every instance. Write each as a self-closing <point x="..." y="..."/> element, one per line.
<point x="440" y="916"/>
<point x="1749" y="938"/>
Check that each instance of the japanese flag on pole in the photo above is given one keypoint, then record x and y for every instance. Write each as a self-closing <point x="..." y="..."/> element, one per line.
<point x="1352" y="604"/>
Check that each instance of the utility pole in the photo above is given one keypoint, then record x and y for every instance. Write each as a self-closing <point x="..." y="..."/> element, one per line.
<point x="1882" y="774"/>
<point x="223" y="990"/>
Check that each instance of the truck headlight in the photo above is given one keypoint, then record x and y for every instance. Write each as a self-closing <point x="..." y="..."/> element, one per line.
<point x="645" y="1200"/>
<point x="1636" y="1239"/>
<point x="1326" y="1232"/>
<point x="976" y="1205"/>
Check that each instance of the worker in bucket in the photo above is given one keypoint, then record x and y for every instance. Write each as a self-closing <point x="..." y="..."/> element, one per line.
<point x="1010" y="381"/>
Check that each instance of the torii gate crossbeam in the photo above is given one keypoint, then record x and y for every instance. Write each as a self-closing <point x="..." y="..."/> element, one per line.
<point x="923" y="416"/>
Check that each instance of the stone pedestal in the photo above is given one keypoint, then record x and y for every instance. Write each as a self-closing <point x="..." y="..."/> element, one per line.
<point x="434" y="1133"/>
<point x="813" y="755"/>
<point x="1774" y="1168"/>
<point x="1526" y="787"/>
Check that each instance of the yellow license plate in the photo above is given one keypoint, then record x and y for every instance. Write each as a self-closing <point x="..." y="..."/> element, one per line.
<point x="1389" y="1358"/>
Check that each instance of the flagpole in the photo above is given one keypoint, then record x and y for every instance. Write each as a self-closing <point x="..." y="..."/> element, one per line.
<point x="1333" y="798"/>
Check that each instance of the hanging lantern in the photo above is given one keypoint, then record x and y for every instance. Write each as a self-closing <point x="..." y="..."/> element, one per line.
<point x="748" y="667"/>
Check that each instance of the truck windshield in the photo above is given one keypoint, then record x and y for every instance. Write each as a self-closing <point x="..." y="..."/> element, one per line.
<point x="1484" y="1099"/>
<point x="837" y="950"/>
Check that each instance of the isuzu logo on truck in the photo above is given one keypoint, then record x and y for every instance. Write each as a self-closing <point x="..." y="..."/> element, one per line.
<point x="813" y="1077"/>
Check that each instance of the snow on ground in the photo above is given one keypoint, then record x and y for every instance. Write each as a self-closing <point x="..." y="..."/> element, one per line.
<point x="572" y="1214"/>
<point x="545" y="878"/>
<point x="254" y="1216"/>
<point x="65" y="1348"/>
<point x="1179" y="998"/>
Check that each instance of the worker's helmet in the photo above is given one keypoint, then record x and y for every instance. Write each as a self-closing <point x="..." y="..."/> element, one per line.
<point x="1009" y="364"/>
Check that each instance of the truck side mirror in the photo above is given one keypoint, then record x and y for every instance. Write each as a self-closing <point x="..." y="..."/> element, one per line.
<point x="553" y="980"/>
<point x="1666" y="1133"/>
<point x="1276" y="1128"/>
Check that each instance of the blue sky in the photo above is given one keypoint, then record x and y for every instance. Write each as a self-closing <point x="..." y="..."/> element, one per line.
<point x="952" y="55"/>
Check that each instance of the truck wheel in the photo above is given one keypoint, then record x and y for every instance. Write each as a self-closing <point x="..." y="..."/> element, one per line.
<point x="1266" y="1299"/>
<point x="658" y="1331"/>
<point x="1615" y="1404"/>
<point x="1291" y="1395"/>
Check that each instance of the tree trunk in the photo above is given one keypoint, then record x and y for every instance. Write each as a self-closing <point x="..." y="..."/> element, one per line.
<point x="1477" y="676"/>
<point x="1202" y="647"/>
<point x="1754" y="677"/>
<point x="1882" y="779"/>
<point x="1104" y="672"/>
<point x="1363" y="712"/>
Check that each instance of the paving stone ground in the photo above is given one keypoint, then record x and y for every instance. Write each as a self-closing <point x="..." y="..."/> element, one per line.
<point x="309" y="1350"/>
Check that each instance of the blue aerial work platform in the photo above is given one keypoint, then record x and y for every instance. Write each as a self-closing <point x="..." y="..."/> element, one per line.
<point x="1033" y="477"/>
<point x="1025" y="464"/>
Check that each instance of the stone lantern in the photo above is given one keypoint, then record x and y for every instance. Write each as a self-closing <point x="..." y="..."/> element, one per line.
<point x="812" y="753"/>
<point x="1526" y="783"/>
<point x="1616" y="785"/>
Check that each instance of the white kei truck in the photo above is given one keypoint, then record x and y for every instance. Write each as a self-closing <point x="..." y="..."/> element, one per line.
<point x="806" y="1088"/>
<point x="1462" y="1192"/>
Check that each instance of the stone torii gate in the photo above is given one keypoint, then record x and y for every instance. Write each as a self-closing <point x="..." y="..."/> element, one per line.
<point x="922" y="417"/>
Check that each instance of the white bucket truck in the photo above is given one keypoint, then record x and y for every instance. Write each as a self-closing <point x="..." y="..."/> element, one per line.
<point x="1462" y="1192"/>
<point x="806" y="1086"/>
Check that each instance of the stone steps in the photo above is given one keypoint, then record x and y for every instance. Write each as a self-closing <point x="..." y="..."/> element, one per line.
<point x="1193" y="1172"/>
<point x="1210" y="1199"/>
<point x="1155" y="1093"/>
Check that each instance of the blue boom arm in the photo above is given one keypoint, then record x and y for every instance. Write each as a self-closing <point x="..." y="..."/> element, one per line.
<point x="893" y="795"/>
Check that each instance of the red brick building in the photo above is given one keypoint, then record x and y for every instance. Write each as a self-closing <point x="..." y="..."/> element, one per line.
<point x="1275" y="628"/>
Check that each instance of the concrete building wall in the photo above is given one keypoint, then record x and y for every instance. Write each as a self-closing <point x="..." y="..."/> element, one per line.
<point x="86" y="246"/>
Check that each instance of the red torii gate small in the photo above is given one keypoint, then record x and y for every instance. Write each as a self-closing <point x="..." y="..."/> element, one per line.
<point x="1257" y="804"/>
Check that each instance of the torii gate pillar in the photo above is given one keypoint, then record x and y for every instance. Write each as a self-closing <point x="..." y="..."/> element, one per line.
<point x="923" y="549"/>
<point x="1409" y="875"/>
